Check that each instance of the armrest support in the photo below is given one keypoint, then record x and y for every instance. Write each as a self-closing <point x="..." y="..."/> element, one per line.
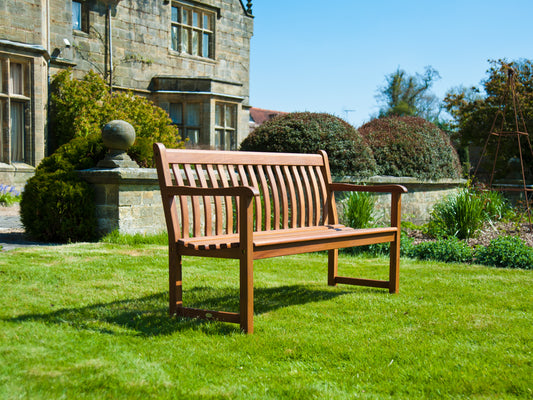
<point x="349" y="187"/>
<point x="395" y="191"/>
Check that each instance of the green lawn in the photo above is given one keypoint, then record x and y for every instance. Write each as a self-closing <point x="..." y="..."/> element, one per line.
<point x="90" y="321"/>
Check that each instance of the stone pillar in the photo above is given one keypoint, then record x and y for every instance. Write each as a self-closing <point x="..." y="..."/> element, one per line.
<point x="127" y="197"/>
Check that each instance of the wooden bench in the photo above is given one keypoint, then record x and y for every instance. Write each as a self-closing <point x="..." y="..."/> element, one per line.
<point x="249" y="206"/>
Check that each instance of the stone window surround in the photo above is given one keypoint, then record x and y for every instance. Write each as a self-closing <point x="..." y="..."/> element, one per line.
<point x="226" y="125"/>
<point x="213" y="13"/>
<point x="11" y="100"/>
<point x="83" y="17"/>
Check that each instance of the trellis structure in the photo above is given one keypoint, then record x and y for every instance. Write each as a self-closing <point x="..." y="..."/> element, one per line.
<point x="517" y="129"/>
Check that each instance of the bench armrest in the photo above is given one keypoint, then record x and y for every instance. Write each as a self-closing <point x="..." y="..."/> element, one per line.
<point x="349" y="187"/>
<point x="197" y="191"/>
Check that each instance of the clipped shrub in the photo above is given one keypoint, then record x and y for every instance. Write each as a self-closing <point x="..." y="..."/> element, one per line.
<point x="305" y="132"/>
<point x="411" y="146"/>
<point x="506" y="252"/>
<point x="461" y="215"/>
<point x="445" y="250"/>
<point x="80" y="108"/>
<point x="58" y="207"/>
<point x="359" y="209"/>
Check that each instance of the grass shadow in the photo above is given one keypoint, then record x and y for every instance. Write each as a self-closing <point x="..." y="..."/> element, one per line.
<point x="148" y="316"/>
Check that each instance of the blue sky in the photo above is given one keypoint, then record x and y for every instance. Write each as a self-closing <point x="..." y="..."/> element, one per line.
<point x="331" y="56"/>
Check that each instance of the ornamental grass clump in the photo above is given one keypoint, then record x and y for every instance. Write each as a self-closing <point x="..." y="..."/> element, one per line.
<point x="359" y="209"/>
<point x="461" y="215"/>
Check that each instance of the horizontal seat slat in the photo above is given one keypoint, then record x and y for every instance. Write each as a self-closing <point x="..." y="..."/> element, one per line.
<point x="282" y="236"/>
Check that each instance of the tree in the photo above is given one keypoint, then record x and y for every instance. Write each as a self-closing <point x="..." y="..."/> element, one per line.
<point x="409" y="95"/>
<point x="474" y="110"/>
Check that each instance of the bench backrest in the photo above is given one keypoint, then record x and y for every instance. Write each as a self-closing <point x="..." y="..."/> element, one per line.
<point x="293" y="190"/>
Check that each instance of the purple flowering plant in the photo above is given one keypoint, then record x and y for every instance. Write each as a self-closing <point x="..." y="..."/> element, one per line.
<point x="8" y="195"/>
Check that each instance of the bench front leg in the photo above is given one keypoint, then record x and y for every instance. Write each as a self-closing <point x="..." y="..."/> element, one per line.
<point x="246" y="264"/>
<point x="394" y="267"/>
<point x="175" y="280"/>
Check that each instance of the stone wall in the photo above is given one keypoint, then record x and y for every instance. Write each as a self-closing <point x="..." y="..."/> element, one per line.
<point x="416" y="204"/>
<point x="128" y="199"/>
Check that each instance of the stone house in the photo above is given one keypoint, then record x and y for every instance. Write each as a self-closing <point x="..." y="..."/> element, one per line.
<point x="190" y="57"/>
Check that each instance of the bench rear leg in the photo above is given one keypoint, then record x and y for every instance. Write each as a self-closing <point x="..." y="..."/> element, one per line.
<point x="394" y="267"/>
<point x="333" y="261"/>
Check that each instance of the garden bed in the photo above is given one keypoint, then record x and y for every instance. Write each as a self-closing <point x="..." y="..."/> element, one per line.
<point x="489" y="232"/>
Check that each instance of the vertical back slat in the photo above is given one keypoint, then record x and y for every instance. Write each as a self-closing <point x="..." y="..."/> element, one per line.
<point x="229" y="205"/>
<point x="300" y="196"/>
<point x="258" y="214"/>
<point x="208" y="223"/>
<point x="315" y="196"/>
<point x="266" y="197"/>
<point x="184" y="207"/>
<point x="275" y="195"/>
<point x="308" y="195"/>
<point x="323" y="195"/>
<point x="218" y="202"/>
<point x="235" y="182"/>
<point x="196" y="220"/>
<point x="292" y="196"/>
<point x="284" y="199"/>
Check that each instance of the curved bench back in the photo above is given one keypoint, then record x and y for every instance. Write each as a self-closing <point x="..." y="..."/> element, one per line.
<point x="294" y="190"/>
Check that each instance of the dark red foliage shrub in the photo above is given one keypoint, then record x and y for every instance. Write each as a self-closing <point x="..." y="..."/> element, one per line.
<point x="411" y="146"/>
<point x="305" y="132"/>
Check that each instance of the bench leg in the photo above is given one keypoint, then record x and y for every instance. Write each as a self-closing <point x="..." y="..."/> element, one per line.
<point x="247" y="294"/>
<point x="333" y="260"/>
<point x="394" y="268"/>
<point x="175" y="287"/>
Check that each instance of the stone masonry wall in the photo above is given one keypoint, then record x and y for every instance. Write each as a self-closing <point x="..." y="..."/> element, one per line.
<point x="129" y="200"/>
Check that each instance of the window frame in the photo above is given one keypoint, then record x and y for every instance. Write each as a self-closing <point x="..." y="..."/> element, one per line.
<point x="83" y="20"/>
<point x="15" y="101"/>
<point x="226" y="131"/>
<point x="188" y="129"/>
<point x="181" y="28"/>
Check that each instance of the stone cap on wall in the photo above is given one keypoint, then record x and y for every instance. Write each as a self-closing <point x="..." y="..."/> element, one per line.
<point x="402" y="180"/>
<point x="133" y="176"/>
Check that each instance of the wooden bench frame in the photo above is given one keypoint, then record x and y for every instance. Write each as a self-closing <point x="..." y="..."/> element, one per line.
<point x="284" y="204"/>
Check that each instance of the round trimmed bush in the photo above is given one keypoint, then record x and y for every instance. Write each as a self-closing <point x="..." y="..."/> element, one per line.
<point x="58" y="207"/>
<point x="305" y="132"/>
<point x="411" y="146"/>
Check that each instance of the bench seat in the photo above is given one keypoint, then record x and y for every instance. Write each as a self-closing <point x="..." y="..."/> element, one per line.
<point x="338" y="236"/>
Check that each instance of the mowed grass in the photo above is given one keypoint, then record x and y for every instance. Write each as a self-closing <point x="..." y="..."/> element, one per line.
<point x="89" y="321"/>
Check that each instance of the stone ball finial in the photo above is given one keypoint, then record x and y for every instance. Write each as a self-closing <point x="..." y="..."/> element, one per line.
<point x="118" y="135"/>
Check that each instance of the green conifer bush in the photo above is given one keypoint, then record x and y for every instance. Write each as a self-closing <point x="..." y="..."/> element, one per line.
<point x="306" y="132"/>
<point x="411" y="146"/>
